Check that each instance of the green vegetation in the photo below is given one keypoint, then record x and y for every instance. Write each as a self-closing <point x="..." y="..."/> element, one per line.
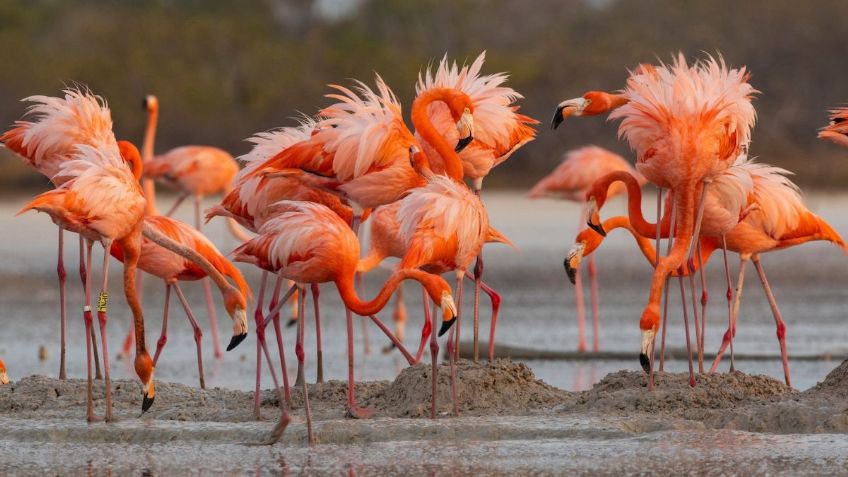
<point x="224" y="70"/>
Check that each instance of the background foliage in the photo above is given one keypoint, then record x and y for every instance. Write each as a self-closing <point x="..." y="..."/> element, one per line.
<point x="224" y="70"/>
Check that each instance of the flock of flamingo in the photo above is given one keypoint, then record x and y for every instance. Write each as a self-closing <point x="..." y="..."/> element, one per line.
<point x="304" y="191"/>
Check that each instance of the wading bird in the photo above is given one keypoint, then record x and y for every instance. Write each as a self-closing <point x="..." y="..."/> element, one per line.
<point x="571" y="180"/>
<point x="4" y="378"/>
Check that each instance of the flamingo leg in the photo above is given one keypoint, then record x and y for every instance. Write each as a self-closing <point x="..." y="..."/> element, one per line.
<point x="399" y="319"/>
<point x="301" y="325"/>
<point x="496" y="305"/>
<point x="294" y="306"/>
<point x="102" y="319"/>
<point x="298" y="346"/>
<point x="731" y="329"/>
<point x="177" y="203"/>
<point x="686" y="330"/>
<point x="85" y="266"/>
<point x="578" y="298"/>
<point x="280" y="428"/>
<point x="695" y="311"/>
<point x="163" y="336"/>
<point x="60" y="271"/>
<point x="669" y="244"/>
<point x="453" y="345"/>
<point x="478" y="280"/>
<point x="285" y="401"/>
<point x="593" y="280"/>
<point x="778" y="319"/>
<point x="274" y="315"/>
<point x="704" y="299"/>
<point x="434" y="362"/>
<point x="259" y="320"/>
<point x="395" y="341"/>
<point x="353" y="409"/>
<point x="689" y="262"/>
<point x="87" y="317"/>
<point x="198" y="334"/>
<point x="320" y="352"/>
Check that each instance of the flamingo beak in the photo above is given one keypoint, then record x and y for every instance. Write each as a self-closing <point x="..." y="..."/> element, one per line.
<point x="569" y="107"/>
<point x="594" y="221"/>
<point x="572" y="261"/>
<point x="465" y="128"/>
<point x="647" y="350"/>
<point x="448" y="313"/>
<point x="239" y="327"/>
<point x="149" y="395"/>
<point x="235" y="340"/>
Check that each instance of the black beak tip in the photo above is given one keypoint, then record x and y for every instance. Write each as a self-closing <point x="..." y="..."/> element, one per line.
<point x="236" y="340"/>
<point x="597" y="228"/>
<point x="291" y="322"/>
<point x="557" y="119"/>
<point x="146" y="403"/>
<point x="570" y="271"/>
<point x="144" y="103"/>
<point x="463" y="143"/>
<point x="645" y="361"/>
<point x="446" y="325"/>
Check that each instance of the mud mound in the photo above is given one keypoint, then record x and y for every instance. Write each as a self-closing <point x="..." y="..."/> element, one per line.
<point x="626" y="392"/>
<point x="498" y="388"/>
<point x="835" y="384"/>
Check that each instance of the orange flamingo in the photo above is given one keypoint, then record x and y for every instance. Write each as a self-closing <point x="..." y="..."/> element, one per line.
<point x="771" y="218"/>
<point x="76" y="118"/>
<point x="4" y="378"/>
<point x="309" y="243"/>
<point x="837" y="130"/>
<point x="196" y="171"/>
<point x="686" y="123"/>
<point x="101" y="199"/>
<point x="498" y="131"/>
<point x="579" y="169"/>
<point x="172" y="268"/>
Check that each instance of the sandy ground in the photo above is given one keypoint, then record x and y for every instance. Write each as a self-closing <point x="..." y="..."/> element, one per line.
<point x="733" y="401"/>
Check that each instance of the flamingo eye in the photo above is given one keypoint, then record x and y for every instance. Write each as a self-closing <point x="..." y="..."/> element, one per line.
<point x="651" y="152"/>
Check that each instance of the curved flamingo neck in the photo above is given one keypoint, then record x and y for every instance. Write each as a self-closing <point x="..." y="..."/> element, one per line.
<point x="147" y="155"/>
<point x="424" y="127"/>
<point x="634" y="204"/>
<point x="365" y="308"/>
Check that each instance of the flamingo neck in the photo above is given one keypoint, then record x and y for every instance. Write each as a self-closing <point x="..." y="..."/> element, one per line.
<point x="424" y="127"/>
<point x="148" y="184"/>
<point x="634" y="205"/>
<point x="365" y="308"/>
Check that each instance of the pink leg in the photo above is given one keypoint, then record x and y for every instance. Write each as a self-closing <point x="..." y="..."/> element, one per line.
<point x="731" y="329"/>
<point x="704" y="300"/>
<point x="778" y="319"/>
<point x="320" y="353"/>
<point x="280" y="428"/>
<point x="395" y="341"/>
<point x="496" y="305"/>
<point x="102" y="318"/>
<point x="353" y="409"/>
<point x="197" y="333"/>
<point x="60" y="271"/>
<point x="259" y="320"/>
<point x="260" y="334"/>
<point x="89" y="331"/>
<point x="478" y="277"/>
<point x="274" y="316"/>
<point x="207" y="288"/>
<point x="85" y="251"/>
<point x="399" y="319"/>
<point x="593" y="279"/>
<point x="578" y="298"/>
<point x="177" y="203"/>
<point x="163" y="336"/>
<point x="434" y="363"/>
<point x="669" y="244"/>
<point x="686" y="330"/>
<point x="696" y="312"/>
<point x="301" y="325"/>
<point x="453" y="345"/>
<point x="298" y="346"/>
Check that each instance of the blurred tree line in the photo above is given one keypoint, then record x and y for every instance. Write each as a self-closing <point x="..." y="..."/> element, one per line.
<point x="224" y="70"/>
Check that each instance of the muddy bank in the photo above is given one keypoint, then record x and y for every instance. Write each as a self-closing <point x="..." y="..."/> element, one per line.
<point x="726" y="401"/>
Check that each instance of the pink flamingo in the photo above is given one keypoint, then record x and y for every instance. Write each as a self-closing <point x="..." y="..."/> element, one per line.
<point x="837" y="130"/>
<point x="309" y="243"/>
<point x="686" y="124"/>
<point x="4" y="378"/>
<point x="570" y="180"/>
<point x="173" y="268"/>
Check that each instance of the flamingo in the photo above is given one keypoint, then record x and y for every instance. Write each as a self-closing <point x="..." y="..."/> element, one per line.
<point x="173" y="268"/>
<point x="837" y="130"/>
<point x="195" y="171"/>
<point x="579" y="169"/>
<point x="308" y="243"/>
<point x="4" y="378"/>
<point x="68" y="121"/>
<point x="386" y="241"/>
<point x="686" y="124"/>
<point x="772" y="217"/>
<point x="498" y="131"/>
<point x="101" y="199"/>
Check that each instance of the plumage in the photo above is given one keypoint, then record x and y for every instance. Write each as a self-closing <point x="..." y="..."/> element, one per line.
<point x="579" y="169"/>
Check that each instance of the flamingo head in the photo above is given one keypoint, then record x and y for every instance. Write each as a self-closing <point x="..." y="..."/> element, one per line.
<point x="130" y="155"/>
<point x="649" y="322"/>
<point x="150" y="103"/>
<point x="236" y="306"/>
<point x="419" y="162"/>
<point x="593" y="215"/>
<point x="837" y="130"/>
<point x="465" y="128"/>
<point x="572" y="261"/>
<point x="144" y="370"/>
<point x="590" y="104"/>
<point x="4" y="378"/>
<point x="448" y="307"/>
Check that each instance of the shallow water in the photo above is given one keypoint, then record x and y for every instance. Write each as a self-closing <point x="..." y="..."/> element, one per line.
<point x="537" y="312"/>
